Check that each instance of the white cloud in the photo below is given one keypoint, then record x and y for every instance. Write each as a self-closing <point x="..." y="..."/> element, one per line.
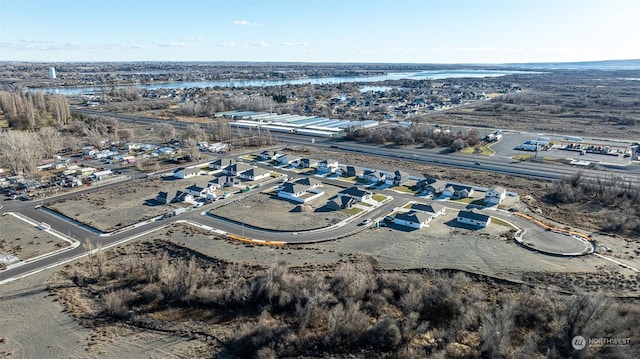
<point x="172" y="44"/>
<point x="195" y="38"/>
<point x="244" y="23"/>
<point x="33" y="45"/>
<point x="243" y="45"/>
<point x="257" y="44"/>
<point x="294" y="44"/>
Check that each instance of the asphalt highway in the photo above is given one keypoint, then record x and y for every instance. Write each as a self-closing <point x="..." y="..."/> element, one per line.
<point x="537" y="170"/>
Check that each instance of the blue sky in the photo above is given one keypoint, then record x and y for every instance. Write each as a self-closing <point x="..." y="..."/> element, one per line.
<point x="413" y="31"/>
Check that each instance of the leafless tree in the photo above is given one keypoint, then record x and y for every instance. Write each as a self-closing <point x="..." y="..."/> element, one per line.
<point x="51" y="141"/>
<point x="21" y="151"/>
<point x="125" y="134"/>
<point x="195" y="132"/>
<point x="165" y="131"/>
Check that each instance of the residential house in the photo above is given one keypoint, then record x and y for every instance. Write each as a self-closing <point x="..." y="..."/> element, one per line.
<point x="236" y="168"/>
<point x="186" y="172"/>
<point x="357" y="193"/>
<point x="221" y="164"/>
<point x="412" y="219"/>
<point x="495" y="195"/>
<point x="327" y="166"/>
<point x="434" y="209"/>
<point x="166" y="197"/>
<point x="100" y="175"/>
<point x="266" y="155"/>
<point x="457" y="191"/>
<point x="352" y="171"/>
<point x="400" y="178"/>
<point x="182" y="196"/>
<point x="308" y="163"/>
<point x="297" y="191"/>
<point x="165" y="151"/>
<point x="254" y="174"/>
<point x="309" y="182"/>
<point x="197" y="191"/>
<point x="474" y="218"/>
<point x="386" y="178"/>
<point x="283" y="160"/>
<point x="343" y="202"/>
<point x="431" y="185"/>
<point x="369" y="176"/>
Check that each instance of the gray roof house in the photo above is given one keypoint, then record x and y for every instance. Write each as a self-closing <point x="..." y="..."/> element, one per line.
<point x="166" y="197"/>
<point x="413" y="219"/>
<point x="355" y="192"/>
<point x="400" y="178"/>
<point x="474" y="218"/>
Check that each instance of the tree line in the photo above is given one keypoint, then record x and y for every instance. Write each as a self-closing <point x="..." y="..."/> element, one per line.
<point x="402" y="135"/>
<point x="31" y="110"/>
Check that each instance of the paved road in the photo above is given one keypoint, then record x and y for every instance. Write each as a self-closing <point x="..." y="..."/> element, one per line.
<point x="493" y="164"/>
<point x="82" y="233"/>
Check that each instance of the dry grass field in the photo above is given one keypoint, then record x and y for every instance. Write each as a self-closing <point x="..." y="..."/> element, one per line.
<point x="267" y="210"/>
<point x="192" y="295"/>
<point x="120" y="206"/>
<point x="25" y="241"/>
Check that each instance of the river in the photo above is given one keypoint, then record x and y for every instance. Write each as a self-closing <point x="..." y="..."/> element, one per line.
<point x="420" y="75"/>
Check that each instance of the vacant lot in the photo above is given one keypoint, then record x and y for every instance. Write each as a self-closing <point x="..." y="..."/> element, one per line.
<point x="117" y="207"/>
<point x="267" y="210"/>
<point x="23" y="240"/>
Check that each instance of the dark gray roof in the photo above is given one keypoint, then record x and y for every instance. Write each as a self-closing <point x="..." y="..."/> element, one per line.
<point x="293" y="188"/>
<point x="307" y="181"/>
<point x="429" y="208"/>
<point x="472" y="214"/>
<point x="354" y="191"/>
<point x="413" y="216"/>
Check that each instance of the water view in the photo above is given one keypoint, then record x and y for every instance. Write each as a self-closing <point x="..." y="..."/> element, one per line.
<point x="421" y="75"/>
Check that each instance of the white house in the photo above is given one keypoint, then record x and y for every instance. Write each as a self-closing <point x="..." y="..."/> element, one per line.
<point x="197" y="190"/>
<point x="370" y="175"/>
<point x="358" y="194"/>
<point x="236" y="168"/>
<point x="327" y="166"/>
<point x="254" y="174"/>
<point x="474" y="218"/>
<point x="386" y="178"/>
<point x="412" y="219"/>
<point x="308" y="163"/>
<point x="433" y="209"/>
<point x="495" y="195"/>
<point x="101" y="175"/>
<point x="186" y="172"/>
<point x="297" y="191"/>
<point x="458" y="191"/>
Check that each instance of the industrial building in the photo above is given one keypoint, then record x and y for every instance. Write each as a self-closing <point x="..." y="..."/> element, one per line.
<point x="301" y="125"/>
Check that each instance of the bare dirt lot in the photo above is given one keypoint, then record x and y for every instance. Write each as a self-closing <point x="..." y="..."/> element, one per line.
<point x="126" y="204"/>
<point x="267" y="210"/>
<point x="23" y="240"/>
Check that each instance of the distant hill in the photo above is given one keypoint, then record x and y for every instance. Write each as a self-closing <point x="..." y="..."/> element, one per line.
<point x="584" y="65"/>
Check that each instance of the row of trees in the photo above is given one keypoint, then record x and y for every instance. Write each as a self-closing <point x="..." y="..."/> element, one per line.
<point x="289" y="312"/>
<point x="401" y="135"/>
<point x="210" y="104"/>
<point x="24" y="150"/>
<point x="30" y="110"/>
